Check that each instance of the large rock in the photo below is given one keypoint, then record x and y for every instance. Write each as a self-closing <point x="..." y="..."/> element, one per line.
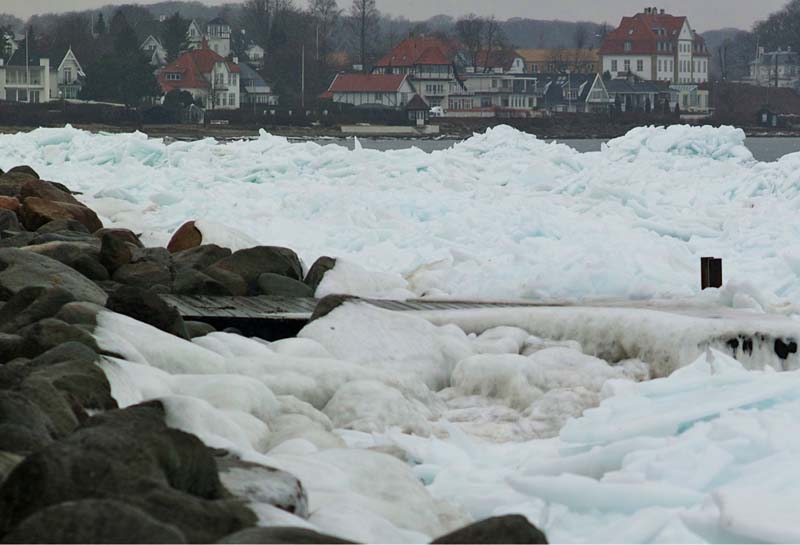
<point x="21" y="269"/>
<point x="130" y="456"/>
<point x="191" y="282"/>
<point x="275" y="284"/>
<point x="15" y="239"/>
<point x="506" y="529"/>
<point x="251" y="263"/>
<point x="90" y="268"/>
<point x="8" y="461"/>
<point x="63" y="226"/>
<point x="24" y="427"/>
<point x="93" y="521"/>
<point x="187" y="236"/>
<point x="30" y="305"/>
<point x="114" y="252"/>
<point x="200" y="257"/>
<point x="8" y="220"/>
<point x="144" y="274"/>
<point x="47" y="191"/>
<point x="280" y="534"/>
<point x="36" y="212"/>
<point x="80" y="381"/>
<point x="67" y="252"/>
<point x="49" y="333"/>
<point x="125" y="235"/>
<point x="233" y="282"/>
<point x="59" y="411"/>
<point x="318" y="270"/>
<point x="329" y="303"/>
<point x="25" y="170"/>
<point x="147" y="307"/>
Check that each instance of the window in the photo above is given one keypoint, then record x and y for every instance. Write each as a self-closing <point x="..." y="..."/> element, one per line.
<point x="223" y="99"/>
<point x="232" y="99"/>
<point x="640" y="65"/>
<point x="535" y="68"/>
<point x="628" y="46"/>
<point x="231" y="79"/>
<point x="494" y="84"/>
<point x="627" y="65"/>
<point x="614" y="66"/>
<point x="378" y="97"/>
<point x="173" y="76"/>
<point x="659" y="65"/>
<point x="67" y="74"/>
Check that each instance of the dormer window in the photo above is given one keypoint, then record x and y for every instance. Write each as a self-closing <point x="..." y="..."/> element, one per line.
<point x="628" y="46"/>
<point x="173" y="76"/>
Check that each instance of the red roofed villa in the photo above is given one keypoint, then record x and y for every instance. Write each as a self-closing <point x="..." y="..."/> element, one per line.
<point x="656" y="46"/>
<point x="384" y="90"/>
<point x="211" y="79"/>
<point x="428" y="62"/>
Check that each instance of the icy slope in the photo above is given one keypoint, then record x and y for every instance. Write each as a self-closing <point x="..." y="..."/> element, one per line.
<point x="499" y="215"/>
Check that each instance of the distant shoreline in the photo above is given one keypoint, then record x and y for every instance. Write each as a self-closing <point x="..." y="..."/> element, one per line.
<point x="449" y="132"/>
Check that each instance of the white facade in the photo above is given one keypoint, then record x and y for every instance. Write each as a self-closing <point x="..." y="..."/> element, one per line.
<point x="219" y="38"/>
<point x="393" y="99"/>
<point x="194" y="35"/>
<point x="254" y="53"/>
<point x="29" y="84"/>
<point x="778" y="68"/>
<point x="65" y="78"/>
<point x="155" y="51"/>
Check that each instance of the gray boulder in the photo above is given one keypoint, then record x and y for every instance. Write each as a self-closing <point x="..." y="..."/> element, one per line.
<point x="24" y="427"/>
<point x="9" y="220"/>
<point x="131" y="456"/>
<point x="233" y="282"/>
<point x="93" y="521"/>
<point x="20" y="269"/>
<point x="505" y="529"/>
<point x="30" y="305"/>
<point x="280" y="534"/>
<point x="198" y="329"/>
<point x="318" y="270"/>
<point x="45" y="334"/>
<point x="275" y="487"/>
<point x="144" y="274"/>
<point x="275" y="284"/>
<point x="200" y="257"/>
<point x="149" y="308"/>
<point x="253" y="262"/>
<point x="191" y="282"/>
<point x="62" y="226"/>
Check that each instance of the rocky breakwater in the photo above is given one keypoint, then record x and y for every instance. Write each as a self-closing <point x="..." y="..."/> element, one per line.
<point x="74" y="466"/>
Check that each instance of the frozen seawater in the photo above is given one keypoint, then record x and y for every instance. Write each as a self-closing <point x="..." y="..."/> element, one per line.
<point x="499" y="215"/>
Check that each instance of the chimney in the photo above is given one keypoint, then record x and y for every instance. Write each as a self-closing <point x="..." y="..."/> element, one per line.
<point x="662" y="11"/>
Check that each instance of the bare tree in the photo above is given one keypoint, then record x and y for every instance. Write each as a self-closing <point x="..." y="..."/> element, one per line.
<point x="365" y="17"/>
<point x="581" y="36"/>
<point x="326" y="15"/>
<point x="470" y="31"/>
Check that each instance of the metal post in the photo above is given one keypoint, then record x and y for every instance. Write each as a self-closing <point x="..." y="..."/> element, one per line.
<point x="710" y="272"/>
<point x="303" y="76"/>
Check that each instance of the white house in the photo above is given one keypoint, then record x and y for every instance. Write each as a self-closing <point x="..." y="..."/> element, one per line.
<point x="194" y="35"/>
<point x="254" y="54"/>
<point x="211" y="79"/>
<point x="656" y="46"/>
<point x="154" y="50"/>
<point x="26" y="77"/>
<point x="393" y="91"/>
<point x="66" y="78"/>
<point x="254" y="90"/>
<point x="779" y="68"/>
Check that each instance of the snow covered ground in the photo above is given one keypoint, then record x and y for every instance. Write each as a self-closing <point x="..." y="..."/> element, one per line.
<point x="500" y="215"/>
<point x="401" y="426"/>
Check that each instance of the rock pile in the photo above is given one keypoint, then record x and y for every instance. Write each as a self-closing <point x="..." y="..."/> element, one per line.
<point x="74" y="467"/>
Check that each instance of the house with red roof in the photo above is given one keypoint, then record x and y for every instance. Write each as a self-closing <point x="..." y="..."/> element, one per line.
<point x="656" y="46"/>
<point x="210" y="78"/>
<point x="392" y="91"/>
<point x="429" y="64"/>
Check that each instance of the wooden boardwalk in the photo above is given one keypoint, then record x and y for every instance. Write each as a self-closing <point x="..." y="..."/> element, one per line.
<point x="274" y="317"/>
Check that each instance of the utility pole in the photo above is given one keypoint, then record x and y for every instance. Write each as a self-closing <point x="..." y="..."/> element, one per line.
<point x="303" y="76"/>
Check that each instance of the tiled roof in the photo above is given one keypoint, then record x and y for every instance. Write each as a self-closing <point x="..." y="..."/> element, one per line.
<point x="367" y="83"/>
<point x="192" y="66"/>
<point x="563" y="54"/>
<point x="418" y="50"/>
<point x="644" y="31"/>
<point x="417" y="103"/>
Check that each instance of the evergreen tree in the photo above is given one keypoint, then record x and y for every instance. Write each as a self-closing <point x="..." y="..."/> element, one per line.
<point x="173" y="36"/>
<point x="100" y="26"/>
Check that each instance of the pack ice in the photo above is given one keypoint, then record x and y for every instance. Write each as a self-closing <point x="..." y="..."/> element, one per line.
<point x="500" y="215"/>
<point x="599" y="424"/>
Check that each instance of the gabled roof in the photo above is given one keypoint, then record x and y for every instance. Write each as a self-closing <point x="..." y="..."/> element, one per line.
<point x="367" y="83"/>
<point x="193" y="65"/>
<point x="151" y="38"/>
<point x="417" y="103"/>
<point x="498" y="58"/>
<point x="644" y="31"/>
<point x="418" y="50"/>
<point x="635" y="86"/>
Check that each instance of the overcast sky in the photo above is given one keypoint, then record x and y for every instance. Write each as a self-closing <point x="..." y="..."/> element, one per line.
<point x="703" y="14"/>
